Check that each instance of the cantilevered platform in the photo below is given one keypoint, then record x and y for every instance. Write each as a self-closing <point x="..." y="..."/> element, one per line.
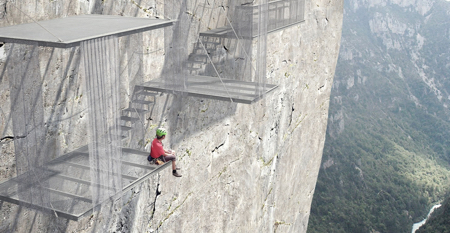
<point x="280" y="14"/>
<point x="227" y="31"/>
<point x="212" y="88"/>
<point x="67" y="180"/>
<point x="70" y="31"/>
<point x="222" y="32"/>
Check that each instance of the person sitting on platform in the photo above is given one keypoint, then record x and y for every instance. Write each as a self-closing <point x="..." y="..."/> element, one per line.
<point x="157" y="150"/>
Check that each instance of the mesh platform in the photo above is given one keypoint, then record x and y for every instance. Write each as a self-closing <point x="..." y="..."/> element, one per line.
<point x="70" y="31"/>
<point x="228" y="62"/>
<point x="73" y="184"/>
<point x="213" y="88"/>
<point x="280" y="14"/>
<point x="69" y="183"/>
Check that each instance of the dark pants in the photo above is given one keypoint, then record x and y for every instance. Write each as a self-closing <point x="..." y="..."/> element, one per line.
<point x="162" y="158"/>
<point x="168" y="158"/>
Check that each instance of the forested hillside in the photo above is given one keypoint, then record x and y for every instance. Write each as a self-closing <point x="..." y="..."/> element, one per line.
<point x="387" y="153"/>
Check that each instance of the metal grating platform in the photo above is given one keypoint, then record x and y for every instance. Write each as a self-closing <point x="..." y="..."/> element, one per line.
<point x="70" y="31"/>
<point x="227" y="31"/>
<point x="280" y="14"/>
<point x="68" y="180"/>
<point x="212" y="88"/>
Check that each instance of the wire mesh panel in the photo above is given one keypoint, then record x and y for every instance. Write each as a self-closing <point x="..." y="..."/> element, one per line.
<point x="224" y="53"/>
<point x="100" y="58"/>
<point x="261" y="50"/>
<point x="53" y="175"/>
<point x="244" y="48"/>
<point x="59" y="169"/>
<point x="28" y="124"/>
<point x="176" y="48"/>
<point x="284" y="13"/>
<point x="135" y="103"/>
<point x="42" y="131"/>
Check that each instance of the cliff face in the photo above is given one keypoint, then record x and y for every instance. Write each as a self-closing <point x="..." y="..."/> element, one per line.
<point x="246" y="168"/>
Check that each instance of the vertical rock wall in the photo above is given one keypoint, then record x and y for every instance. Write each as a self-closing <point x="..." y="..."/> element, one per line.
<point x="246" y="168"/>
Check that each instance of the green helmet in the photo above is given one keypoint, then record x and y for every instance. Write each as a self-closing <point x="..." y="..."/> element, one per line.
<point x="161" y="132"/>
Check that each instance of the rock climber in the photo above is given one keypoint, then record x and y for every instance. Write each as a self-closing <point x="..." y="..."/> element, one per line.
<point x="157" y="151"/>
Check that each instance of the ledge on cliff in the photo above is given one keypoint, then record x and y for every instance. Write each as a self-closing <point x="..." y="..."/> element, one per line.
<point x="70" y="31"/>
<point x="214" y="88"/>
<point x="68" y="181"/>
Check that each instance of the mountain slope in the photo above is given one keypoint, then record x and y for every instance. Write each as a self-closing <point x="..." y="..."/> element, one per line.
<point x="386" y="156"/>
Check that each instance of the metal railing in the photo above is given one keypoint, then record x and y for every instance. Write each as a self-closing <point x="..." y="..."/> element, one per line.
<point x="280" y="14"/>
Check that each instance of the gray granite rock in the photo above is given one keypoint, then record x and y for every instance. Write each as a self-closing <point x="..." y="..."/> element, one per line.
<point x="246" y="168"/>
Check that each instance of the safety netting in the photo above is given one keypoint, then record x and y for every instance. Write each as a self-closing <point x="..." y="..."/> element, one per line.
<point x="101" y="64"/>
<point x="227" y="60"/>
<point x="76" y="127"/>
<point x="45" y="131"/>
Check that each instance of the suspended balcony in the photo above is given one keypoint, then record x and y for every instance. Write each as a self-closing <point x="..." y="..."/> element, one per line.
<point x="228" y="63"/>
<point x="279" y="15"/>
<point x="68" y="182"/>
<point x="213" y="88"/>
<point x="70" y="31"/>
<point x="72" y="184"/>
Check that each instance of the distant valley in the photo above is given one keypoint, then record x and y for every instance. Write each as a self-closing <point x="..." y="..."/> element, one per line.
<point x="386" y="159"/>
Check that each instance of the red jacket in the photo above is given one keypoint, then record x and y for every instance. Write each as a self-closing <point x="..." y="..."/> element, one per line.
<point x="157" y="149"/>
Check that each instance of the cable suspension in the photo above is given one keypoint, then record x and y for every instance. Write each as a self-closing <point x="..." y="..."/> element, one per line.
<point x="217" y="72"/>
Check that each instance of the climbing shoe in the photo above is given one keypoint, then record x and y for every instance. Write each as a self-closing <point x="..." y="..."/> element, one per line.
<point x="176" y="174"/>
